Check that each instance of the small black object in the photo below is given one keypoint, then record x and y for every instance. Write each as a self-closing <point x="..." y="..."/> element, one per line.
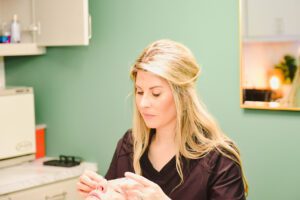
<point x="64" y="161"/>
<point x="257" y="95"/>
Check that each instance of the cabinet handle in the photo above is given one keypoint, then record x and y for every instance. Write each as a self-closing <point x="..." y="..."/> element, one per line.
<point x="60" y="196"/>
<point x="279" y="23"/>
<point x="38" y="27"/>
<point x="90" y="26"/>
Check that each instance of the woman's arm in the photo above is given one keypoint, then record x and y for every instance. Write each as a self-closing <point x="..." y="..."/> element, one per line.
<point x="225" y="182"/>
<point x="121" y="161"/>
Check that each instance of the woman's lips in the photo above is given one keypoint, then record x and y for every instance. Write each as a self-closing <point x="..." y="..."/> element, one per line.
<point x="148" y="116"/>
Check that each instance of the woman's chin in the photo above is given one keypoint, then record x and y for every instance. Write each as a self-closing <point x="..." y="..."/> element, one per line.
<point x="151" y="125"/>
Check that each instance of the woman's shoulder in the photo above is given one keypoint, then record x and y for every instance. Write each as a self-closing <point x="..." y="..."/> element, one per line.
<point x="225" y="176"/>
<point x="127" y="138"/>
<point x="217" y="158"/>
<point x="215" y="161"/>
<point x="221" y="166"/>
<point x="125" y="143"/>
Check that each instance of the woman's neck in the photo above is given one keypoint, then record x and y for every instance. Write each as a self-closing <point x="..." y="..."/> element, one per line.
<point x="165" y="135"/>
<point x="162" y="148"/>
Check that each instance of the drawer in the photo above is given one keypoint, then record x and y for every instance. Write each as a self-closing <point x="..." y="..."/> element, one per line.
<point x="62" y="190"/>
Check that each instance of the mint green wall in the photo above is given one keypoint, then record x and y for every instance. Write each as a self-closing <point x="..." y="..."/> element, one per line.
<point x="81" y="92"/>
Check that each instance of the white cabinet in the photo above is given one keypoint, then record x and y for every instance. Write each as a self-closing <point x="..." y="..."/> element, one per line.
<point x="45" y="23"/>
<point x="63" y="190"/>
<point x="35" y="181"/>
<point x="271" y="20"/>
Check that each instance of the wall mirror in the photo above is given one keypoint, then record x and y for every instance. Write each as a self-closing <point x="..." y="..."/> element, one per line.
<point x="270" y="54"/>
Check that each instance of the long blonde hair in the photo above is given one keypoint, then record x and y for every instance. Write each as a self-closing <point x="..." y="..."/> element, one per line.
<point x="197" y="133"/>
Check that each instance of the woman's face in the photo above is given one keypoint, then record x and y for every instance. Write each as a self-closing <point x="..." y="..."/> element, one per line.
<point x="154" y="100"/>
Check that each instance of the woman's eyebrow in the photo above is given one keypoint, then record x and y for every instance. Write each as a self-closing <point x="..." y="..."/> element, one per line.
<point x="156" y="86"/>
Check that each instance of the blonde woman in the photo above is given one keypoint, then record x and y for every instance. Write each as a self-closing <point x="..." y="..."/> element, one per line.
<point x="175" y="149"/>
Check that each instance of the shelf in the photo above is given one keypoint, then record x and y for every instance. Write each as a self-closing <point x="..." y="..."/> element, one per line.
<point x="267" y="106"/>
<point x="21" y="49"/>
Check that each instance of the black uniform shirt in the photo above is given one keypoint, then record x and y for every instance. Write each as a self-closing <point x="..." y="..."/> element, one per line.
<point x="213" y="177"/>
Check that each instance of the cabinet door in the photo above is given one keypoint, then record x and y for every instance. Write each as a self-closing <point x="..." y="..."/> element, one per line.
<point x="62" y="22"/>
<point x="272" y="19"/>
<point x="264" y="18"/>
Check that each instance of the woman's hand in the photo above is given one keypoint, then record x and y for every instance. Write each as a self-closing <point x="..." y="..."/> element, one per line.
<point x="89" y="181"/>
<point x="145" y="190"/>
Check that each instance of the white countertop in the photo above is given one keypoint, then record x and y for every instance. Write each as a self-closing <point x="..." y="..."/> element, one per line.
<point x="32" y="174"/>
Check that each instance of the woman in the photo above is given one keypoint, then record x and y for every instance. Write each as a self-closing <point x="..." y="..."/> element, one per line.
<point x="175" y="149"/>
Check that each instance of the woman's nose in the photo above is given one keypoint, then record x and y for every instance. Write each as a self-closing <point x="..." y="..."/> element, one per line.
<point x="145" y="101"/>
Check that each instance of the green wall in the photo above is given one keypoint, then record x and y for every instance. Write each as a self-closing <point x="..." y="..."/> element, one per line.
<point x="81" y="93"/>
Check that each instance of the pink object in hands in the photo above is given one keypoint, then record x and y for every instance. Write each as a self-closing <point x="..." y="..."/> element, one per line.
<point x="95" y="193"/>
<point x="100" y="188"/>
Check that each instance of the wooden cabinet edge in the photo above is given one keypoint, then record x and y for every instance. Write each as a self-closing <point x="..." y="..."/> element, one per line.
<point x="21" y="49"/>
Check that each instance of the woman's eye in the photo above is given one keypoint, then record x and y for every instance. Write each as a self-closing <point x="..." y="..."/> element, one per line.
<point x="156" y="95"/>
<point x="139" y="93"/>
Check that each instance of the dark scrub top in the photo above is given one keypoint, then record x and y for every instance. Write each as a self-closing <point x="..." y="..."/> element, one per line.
<point x="213" y="177"/>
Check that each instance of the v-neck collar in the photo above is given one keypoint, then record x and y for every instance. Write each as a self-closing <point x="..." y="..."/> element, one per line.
<point x="165" y="169"/>
<point x="147" y="165"/>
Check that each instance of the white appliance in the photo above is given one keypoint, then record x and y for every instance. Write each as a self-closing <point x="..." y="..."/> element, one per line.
<point x="17" y="125"/>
